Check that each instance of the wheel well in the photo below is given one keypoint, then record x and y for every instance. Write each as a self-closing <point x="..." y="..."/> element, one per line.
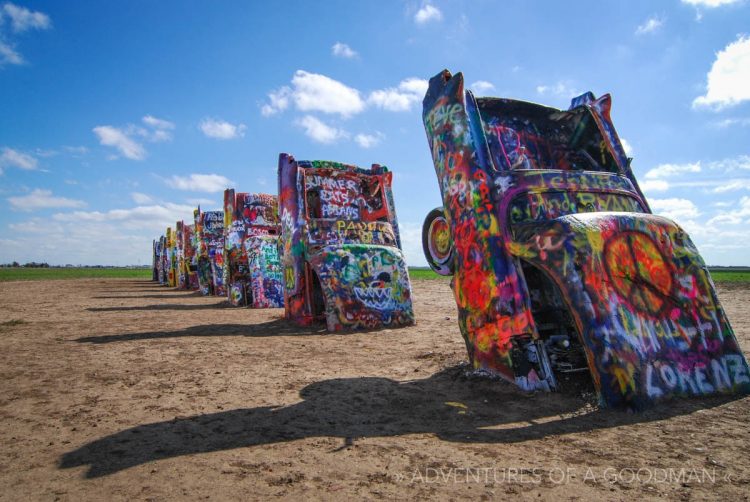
<point x="557" y="329"/>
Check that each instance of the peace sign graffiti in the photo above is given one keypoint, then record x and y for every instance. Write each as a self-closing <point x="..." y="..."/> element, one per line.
<point x="638" y="271"/>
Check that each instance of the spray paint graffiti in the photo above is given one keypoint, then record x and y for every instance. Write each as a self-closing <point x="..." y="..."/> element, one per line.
<point x="251" y="239"/>
<point x="190" y="263"/>
<point x="170" y="258"/>
<point x="266" y="281"/>
<point x="558" y="265"/>
<point x="179" y="256"/>
<point x="162" y="261"/>
<point x="341" y="250"/>
<point x="209" y="230"/>
<point x="187" y="265"/>
<point x="156" y="245"/>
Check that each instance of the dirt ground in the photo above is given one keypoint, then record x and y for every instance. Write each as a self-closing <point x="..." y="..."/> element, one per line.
<point x="122" y="389"/>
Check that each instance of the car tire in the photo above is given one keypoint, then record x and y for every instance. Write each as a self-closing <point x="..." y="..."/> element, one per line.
<point x="437" y="242"/>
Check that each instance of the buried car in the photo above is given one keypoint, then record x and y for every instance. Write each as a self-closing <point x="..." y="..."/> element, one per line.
<point x="157" y="247"/>
<point x="251" y="249"/>
<point x="170" y="258"/>
<point x="209" y="231"/>
<point x="187" y="275"/>
<point x="558" y="264"/>
<point x="341" y="254"/>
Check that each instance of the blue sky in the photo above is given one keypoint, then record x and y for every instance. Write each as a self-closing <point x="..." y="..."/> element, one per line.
<point x="118" y="118"/>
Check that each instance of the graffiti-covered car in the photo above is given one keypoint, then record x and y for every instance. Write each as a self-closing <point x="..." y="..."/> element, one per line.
<point x="341" y="253"/>
<point x="251" y="249"/>
<point x="170" y="258"/>
<point x="156" y="247"/>
<point x="558" y="264"/>
<point x="209" y="231"/>
<point x="161" y="268"/>
<point x="191" y="257"/>
<point x="187" y="265"/>
<point x="180" y="277"/>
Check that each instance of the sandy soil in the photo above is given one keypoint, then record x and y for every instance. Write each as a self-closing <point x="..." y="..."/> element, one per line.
<point x="122" y="389"/>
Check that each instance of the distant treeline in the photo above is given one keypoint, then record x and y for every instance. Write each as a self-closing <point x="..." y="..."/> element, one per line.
<point x="31" y="264"/>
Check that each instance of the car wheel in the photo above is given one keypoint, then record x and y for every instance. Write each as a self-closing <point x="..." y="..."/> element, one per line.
<point x="437" y="243"/>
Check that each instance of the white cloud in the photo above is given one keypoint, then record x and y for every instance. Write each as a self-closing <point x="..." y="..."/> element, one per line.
<point x="13" y="158"/>
<point x="686" y="176"/>
<point x="482" y="87"/>
<point x="159" y="136"/>
<point x="711" y="4"/>
<point x="279" y="101"/>
<point x="120" y="140"/>
<point x="733" y="186"/>
<point x="738" y="216"/>
<point x="123" y="138"/>
<point x="368" y="140"/>
<point x="627" y="147"/>
<point x="414" y="85"/>
<point x="728" y="78"/>
<point x="728" y="165"/>
<point x="741" y="122"/>
<point x="314" y="92"/>
<point x="157" y="123"/>
<point x="44" y="153"/>
<point x="319" y="131"/>
<point x="428" y="13"/>
<point x="63" y="243"/>
<point x="68" y="239"/>
<point x="156" y="215"/>
<point x="76" y="151"/>
<point x="8" y="55"/>
<point x="159" y="130"/>
<point x="23" y="19"/>
<point x="560" y="89"/>
<point x="200" y="182"/>
<point x="206" y="204"/>
<point x="401" y="98"/>
<point x="675" y="209"/>
<point x="650" y="25"/>
<point x="667" y="170"/>
<point x="42" y="199"/>
<point x="342" y="50"/>
<point x="654" y="186"/>
<point x="221" y="129"/>
<point x="411" y="243"/>
<point x="141" y="198"/>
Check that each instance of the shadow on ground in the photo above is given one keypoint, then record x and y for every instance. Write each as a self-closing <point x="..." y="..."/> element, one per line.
<point x="162" y="306"/>
<point x="142" y="285"/>
<point x="118" y="290"/>
<point x="444" y="404"/>
<point x="278" y="327"/>
<point x="168" y="295"/>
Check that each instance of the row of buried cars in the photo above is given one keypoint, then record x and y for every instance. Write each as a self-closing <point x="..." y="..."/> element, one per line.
<point x="558" y="265"/>
<point x="327" y="248"/>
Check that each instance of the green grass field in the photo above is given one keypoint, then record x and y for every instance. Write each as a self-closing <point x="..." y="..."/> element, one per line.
<point x="718" y="274"/>
<point x="46" y="274"/>
<point x="730" y="275"/>
<point x="424" y="273"/>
